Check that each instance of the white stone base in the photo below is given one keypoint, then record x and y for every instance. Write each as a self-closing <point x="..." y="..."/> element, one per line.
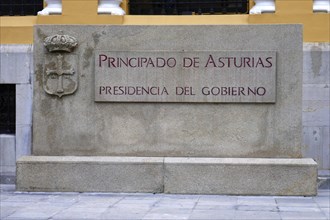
<point x="236" y="176"/>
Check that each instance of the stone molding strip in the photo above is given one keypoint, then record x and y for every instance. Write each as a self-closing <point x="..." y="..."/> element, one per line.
<point x="232" y="176"/>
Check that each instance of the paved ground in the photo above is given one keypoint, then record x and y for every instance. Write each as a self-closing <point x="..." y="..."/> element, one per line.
<point x="16" y="205"/>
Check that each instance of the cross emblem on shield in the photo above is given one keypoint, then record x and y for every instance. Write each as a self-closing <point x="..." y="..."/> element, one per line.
<point x="60" y="76"/>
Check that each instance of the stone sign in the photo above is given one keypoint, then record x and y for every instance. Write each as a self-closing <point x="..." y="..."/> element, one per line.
<point x="212" y="109"/>
<point x="189" y="76"/>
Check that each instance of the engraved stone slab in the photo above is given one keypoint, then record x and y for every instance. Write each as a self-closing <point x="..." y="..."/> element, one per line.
<point x="185" y="76"/>
<point x="60" y="77"/>
<point x="78" y="125"/>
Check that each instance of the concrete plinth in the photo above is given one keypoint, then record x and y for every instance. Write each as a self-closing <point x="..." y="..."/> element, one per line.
<point x="240" y="176"/>
<point x="90" y="174"/>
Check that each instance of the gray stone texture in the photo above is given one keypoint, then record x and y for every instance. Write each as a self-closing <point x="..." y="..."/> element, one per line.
<point x="76" y="125"/>
<point x="316" y="104"/>
<point x="239" y="176"/>
<point x="16" y="64"/>
<point x="24" y="94"/>
<point x="7" y="153"/>
<point x="315" y="88"/>
<point x="48" y="205"/>
<point x="17" y="68"/>
<point x="90" y="174"/>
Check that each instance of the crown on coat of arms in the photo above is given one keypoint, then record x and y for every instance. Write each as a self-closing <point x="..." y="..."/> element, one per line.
<point x="60" y="42"/>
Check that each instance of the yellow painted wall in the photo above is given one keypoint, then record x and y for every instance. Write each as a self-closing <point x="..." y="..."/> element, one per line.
<point x="19" y="30"/>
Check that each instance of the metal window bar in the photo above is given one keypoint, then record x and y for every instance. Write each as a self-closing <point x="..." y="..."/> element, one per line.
<point x="20" y="7"/>
<point x="7" y="108"/>
<point x="187" y="7"/>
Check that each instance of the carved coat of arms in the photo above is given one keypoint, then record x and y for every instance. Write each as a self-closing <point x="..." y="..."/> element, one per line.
<point x="60" y="68"/>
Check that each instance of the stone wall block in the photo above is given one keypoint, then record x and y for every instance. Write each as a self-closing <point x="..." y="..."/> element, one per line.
<point x="16" y="64"/>
<point x="7" y="153"/>
<point x="316" y="113"/>
<point x="24" y="104"/>
<point x="252" y="176"/>
<point x="90" y="174"/>
<point x="23" y="140"/>
<point x="316" y="145"/>
<point x="316" y="92"/>
<point x="77" y="125"/>
<point x="316" y="63"/>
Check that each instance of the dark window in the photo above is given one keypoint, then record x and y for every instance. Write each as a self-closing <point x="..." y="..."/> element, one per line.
<point x="20" y="7"/>
<point x="7" y="108"/>
<point x="187" y="7"/>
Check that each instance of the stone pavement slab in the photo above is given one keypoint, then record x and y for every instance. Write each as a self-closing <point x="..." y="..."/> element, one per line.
<point x="142" y="206"/>
<point x="303" y="215"/>
<point x="212" y="214"/>
<point x="254" y="215"/>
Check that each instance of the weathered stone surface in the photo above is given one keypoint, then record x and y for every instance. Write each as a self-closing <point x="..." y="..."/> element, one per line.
<point x="90" y="174"/>
<point x="316" y="63"/>
<point x="316" y="145"/>
<point x="60" y="76"/>
<point x="16" y="67"/>
<point x="16" y="64"/>
<point x="76" y="125"/>
<point x="316" y="108"/>
<point x="316" y="113"/>
<point x="23" y="140"/>
<point x="24" y="94"/>
<point x="7" y="153"/>
<point x="241" y="176"/>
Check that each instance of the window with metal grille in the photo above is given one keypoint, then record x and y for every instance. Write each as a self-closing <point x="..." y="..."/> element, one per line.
<point x="20" y="7"/>
<point x="187" y="7"/>
<point x="7" y="108"/>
